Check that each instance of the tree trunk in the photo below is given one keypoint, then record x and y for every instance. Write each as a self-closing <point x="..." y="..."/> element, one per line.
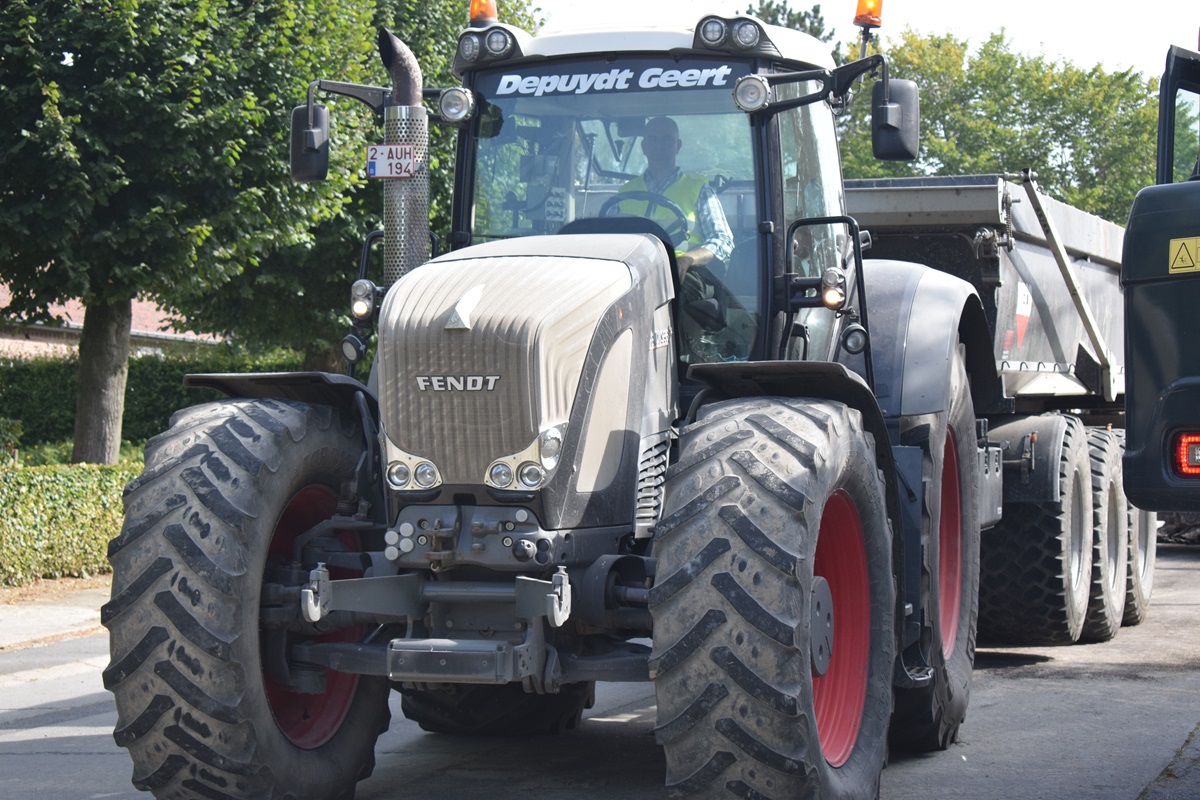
<point x="100" y="394"/>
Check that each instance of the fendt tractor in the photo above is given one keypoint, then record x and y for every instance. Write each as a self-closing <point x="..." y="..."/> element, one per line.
<point x="633" y="429"/>
<point x="1161" y="276"/>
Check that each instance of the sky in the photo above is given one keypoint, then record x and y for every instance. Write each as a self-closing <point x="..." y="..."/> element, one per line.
<point x="1137" y="37"/>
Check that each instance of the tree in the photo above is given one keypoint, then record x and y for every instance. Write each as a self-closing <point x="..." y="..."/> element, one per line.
<point x="144" y="155"/>
<point x="298" y="295"/>
<point x="781" y="13"/>
<point x="1088" y="133"/>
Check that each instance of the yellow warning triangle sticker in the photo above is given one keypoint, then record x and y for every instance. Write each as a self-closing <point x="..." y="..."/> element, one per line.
<point x="1183" y="255"/>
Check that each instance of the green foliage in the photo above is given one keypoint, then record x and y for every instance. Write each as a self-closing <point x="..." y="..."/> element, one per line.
<point x="297" y="296"/>
<point x="780" y="13"/>
<point x="57" y="521"/>
<point x="1088" y="134"/>
<point x="41" y="393"/>
<point x="59" y="454"/>
<point x="10" y="436"/>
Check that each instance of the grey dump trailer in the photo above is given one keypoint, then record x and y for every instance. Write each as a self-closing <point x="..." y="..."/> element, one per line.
<point x="1064" y="555"/>
<point x="650" y="416"/>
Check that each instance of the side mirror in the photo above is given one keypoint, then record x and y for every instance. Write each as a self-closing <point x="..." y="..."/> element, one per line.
<point x="895" y="120"/>
<point x="310" y="144"/>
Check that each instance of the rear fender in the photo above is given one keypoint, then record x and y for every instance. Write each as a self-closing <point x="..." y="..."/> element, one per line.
<point x="918" y="315"/>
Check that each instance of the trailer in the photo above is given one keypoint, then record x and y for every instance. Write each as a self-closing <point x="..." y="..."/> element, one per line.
<point x="650" y="416"/>
<point x="1058" y="562"/>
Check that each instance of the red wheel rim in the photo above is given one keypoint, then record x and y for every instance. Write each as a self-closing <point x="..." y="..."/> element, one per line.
<point x="309" y="720"/>
<point x="950" y="547"/>
<point x="839" y="695"/>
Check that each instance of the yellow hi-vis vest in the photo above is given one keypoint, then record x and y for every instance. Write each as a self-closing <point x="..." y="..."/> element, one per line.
<point x="684" y="193"/>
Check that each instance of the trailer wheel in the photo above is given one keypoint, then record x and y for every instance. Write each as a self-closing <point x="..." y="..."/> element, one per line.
<point x="928" y="718"/>
<point x="774" y="605"/>
<point x="1143" y="548"/>
<point x="1036" y="564"/>
<point x="508" y="710"/>
<point x="1110" y="543"/>
<point x="212" y="519"/>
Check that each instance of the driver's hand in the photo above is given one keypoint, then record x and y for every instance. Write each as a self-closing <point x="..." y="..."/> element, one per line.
<point x="693" y="258"/>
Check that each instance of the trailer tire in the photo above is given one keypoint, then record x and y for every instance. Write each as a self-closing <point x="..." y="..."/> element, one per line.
<point x="464" y="709"/>
<point x="1036" y="563"/>
<point x="928" y="718"/>
<point x="774" y="514"/>
<point x="1110" y="540"/>
<point x="1143" y="549"/>
<point x="212" y="518"/>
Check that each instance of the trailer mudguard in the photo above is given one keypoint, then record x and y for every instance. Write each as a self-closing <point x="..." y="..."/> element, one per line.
<point x="917" y="317"/>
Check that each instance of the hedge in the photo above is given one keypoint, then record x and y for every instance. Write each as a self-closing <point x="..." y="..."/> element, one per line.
<point x="40" y="393"/>
<point x="58" y="520"/>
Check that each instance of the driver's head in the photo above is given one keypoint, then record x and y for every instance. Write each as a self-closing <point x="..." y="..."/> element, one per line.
<point x="660" y="142"/>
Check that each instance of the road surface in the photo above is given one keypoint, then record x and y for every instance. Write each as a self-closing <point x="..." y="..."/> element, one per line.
<point x="1118" y="721"/>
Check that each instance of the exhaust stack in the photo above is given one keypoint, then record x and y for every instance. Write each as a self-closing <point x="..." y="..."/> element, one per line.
<point x="405" y="200"/>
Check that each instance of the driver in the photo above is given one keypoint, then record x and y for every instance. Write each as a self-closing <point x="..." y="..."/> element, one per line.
<point x="709" y="236"/>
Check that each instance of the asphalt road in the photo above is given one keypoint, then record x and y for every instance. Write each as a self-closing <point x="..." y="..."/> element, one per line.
<point x="1118" y="721"/>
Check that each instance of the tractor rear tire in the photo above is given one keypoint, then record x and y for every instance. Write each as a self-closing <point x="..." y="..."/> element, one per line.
<point x="1143" y="550"/>
<point x="928" y="718"/>
<point x="1036" y="564"/>
<point x="1110" y="548"/>
<point x="465" y="709"/>
<point x="774" y="605"/>
<point x="225" y="492"/>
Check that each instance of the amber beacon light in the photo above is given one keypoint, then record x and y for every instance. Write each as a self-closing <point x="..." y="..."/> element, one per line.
<point x="483" y="13"/>
<point x="868" y="13"/>
<point x="1187" y="455"/>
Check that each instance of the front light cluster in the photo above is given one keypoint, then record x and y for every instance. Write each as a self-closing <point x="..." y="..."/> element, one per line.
<point x="363" y="298"/>
<point x="490" y="44"/>
<point x="406" y="472"/>
<point x="737" y="34"/>
<point x="529" y="469"/>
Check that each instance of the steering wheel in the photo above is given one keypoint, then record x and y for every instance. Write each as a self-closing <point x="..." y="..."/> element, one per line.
<point x="676" y="228"/>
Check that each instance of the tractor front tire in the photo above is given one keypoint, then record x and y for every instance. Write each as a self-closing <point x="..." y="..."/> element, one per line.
<point x="774" y="604"/>
<point x="225" y="492"/>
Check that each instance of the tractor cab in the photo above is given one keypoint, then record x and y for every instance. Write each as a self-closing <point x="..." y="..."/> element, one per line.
<point x="720" y="141"/>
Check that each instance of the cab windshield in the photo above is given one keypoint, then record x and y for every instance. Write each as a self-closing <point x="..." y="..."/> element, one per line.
<point x="573" y="140"/>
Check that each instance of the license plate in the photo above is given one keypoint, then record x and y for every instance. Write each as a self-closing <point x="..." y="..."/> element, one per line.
<point x="391" y="161"/>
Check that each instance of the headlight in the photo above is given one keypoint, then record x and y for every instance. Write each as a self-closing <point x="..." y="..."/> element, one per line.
<point x="712" y="31"/>
<point x="751" y="93"/>
<point x="399" y="475"/>
<point x="362" y="300"/>
<point x="425" y="475"/>
<point x="746" y="34"/>
<point x="500" y="475"/>
<point x="498" y="42"/>
<point x="551" y="442"/>
<point x="531" y="475"/>
<point x="456" y="104"/>
<point x="833" y="288"/>
<point x="469" y="47"/>
<point x="353" y="348"/>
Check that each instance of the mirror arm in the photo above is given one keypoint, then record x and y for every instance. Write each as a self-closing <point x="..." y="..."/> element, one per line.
<point x="845" y="76"/>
